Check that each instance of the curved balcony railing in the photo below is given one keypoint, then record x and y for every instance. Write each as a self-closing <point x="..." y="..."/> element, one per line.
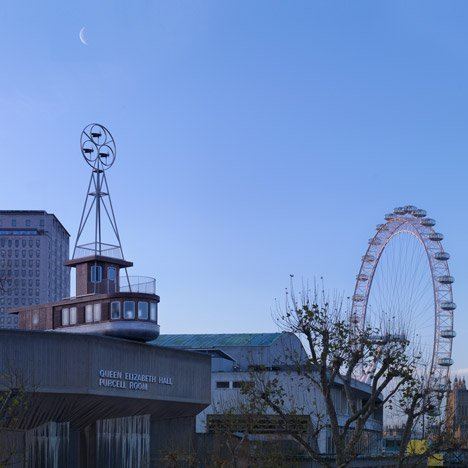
<point x="140" y="284"/>
<point x="126" y="284"/>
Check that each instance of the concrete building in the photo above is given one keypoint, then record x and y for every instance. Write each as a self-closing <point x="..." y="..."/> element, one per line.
<point x="275" y="356"/>
<point x="34" y="246"/>
<point x="80" y="385"/>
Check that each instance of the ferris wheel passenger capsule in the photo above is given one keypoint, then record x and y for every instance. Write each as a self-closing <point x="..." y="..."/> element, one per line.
<point x="445" y="361"/>
<point x="374" y="241"/>
<point x="429" y="222"/>
<point x="399" y="210"/>
<point x="449" y="333"/>
<point x="445" y="279"/>
<point x="434" y="412"/>
<point x="442" y="256"/>
<point x="419" y="213"/>
<point x="409" y="209"/>
<point x="358" y="298"/>
<point x="435" y="236"/>
<point x="440" y="387"/>
<point x="362" y="277"/>
<point x="389" y="216"/>
<point x="447" y="305"/>
<point x="368" y="258"/>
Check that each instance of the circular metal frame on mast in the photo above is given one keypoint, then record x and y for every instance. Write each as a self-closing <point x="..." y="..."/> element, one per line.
<point x="98" y="147"/>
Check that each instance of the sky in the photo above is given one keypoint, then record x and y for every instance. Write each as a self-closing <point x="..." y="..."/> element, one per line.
<point x="254" y="139"/>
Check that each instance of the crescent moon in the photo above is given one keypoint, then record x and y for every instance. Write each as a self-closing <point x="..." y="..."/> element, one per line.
<point x="82" y="36"/>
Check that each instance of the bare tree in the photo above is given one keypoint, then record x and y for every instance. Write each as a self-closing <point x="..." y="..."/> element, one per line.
<point x="337" y="351"/>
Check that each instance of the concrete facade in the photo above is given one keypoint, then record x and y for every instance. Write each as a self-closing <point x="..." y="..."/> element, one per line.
<point x="236" y="358"/>
<point x="81" y="381"/>
<point x="34" y="246"/>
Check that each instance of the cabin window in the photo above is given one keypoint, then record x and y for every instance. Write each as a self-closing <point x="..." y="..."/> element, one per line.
<point x="89" y="313"/>
<point x="154" y="311"/>
<point x="97" y="312"/>
<point x="111" y="273"/>
<point x="96" y="273"/>
<point x="115" y="310"/>
<point x="129" y="310"/>
<point x="142" y="310"/>
<point x="222" y="384"/>
<point x="73" y="317"/>
<point x="65" y="317"/>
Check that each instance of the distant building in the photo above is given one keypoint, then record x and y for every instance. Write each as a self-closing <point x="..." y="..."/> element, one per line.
<point x="276" y="355"/>
<point x="34" y="246"/>
<point x="458" y="409"/>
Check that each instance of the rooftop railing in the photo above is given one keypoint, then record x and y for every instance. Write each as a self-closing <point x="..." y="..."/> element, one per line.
<point x="106" y="250"/>
<point x="127" y="284"/>
<point x="140" y="284"/>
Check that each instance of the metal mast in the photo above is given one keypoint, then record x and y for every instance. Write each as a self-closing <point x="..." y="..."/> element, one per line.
<point x="98" y="149"/>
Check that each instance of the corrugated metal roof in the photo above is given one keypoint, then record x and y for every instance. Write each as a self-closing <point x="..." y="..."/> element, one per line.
<point x="216" y="341"/>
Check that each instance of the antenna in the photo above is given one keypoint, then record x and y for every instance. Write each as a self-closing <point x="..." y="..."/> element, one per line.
<point x="98" y="149"/>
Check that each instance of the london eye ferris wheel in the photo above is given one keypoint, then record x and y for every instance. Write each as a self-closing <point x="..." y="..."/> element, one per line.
<point x="405" y="275"/>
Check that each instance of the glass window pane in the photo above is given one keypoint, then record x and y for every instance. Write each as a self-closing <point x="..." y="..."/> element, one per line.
<point x="89" y="313"/>
<point x="65" y="317"/>
<point x="96" y="273"/>
<point x="115" y="310"/>
<point x="154" y="311"/>
<point x="97" y="312"/>
<point x="143" y="310"/>
<point x="72" y="315"/>
<point x="129" y="310"/>
<point x="111" y="273"/>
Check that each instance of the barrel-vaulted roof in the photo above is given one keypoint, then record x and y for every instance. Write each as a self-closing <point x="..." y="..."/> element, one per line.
<point x="216" y="340"/>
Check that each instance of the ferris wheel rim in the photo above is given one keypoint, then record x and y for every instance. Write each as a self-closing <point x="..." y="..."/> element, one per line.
<point x="411" y="222"/>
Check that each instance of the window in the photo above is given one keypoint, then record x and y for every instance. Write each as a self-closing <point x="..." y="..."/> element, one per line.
<point x="111" y="273"/>
<point x="222" y="384"/>
<point x="142" y="310"/>
<point x="65" y="317"/>
<point x="13" y="222"/>
<point x="154" y="311"/>
<point x="97" y="312"/>
<point x="129" y="310"/>
<point x="73" y="317"/>
<point x="28" y="222"/>
<point x="96" y="274"/>
<point x="238" y="384"/>
<point x="115" y="310"/>
<point x="41" y="222"/>
<point x="89" y="313"/>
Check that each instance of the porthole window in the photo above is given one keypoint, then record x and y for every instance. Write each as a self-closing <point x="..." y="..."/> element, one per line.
<point x="129" y="310"/>
<point x="154" y="311"/>
<point x="142" y="310"/>
<point x="73" y="316"/>
<point x="65" y="317"/>
<point x="97" y="312"/>
<point x="89" y="313"/>
<point x="115" y="310"/>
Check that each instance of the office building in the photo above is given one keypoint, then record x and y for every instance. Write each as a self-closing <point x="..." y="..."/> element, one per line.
<point x="34" y="246"/>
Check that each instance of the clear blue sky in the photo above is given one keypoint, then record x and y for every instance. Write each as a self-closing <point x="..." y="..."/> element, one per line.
<point x="255" y="138"/>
